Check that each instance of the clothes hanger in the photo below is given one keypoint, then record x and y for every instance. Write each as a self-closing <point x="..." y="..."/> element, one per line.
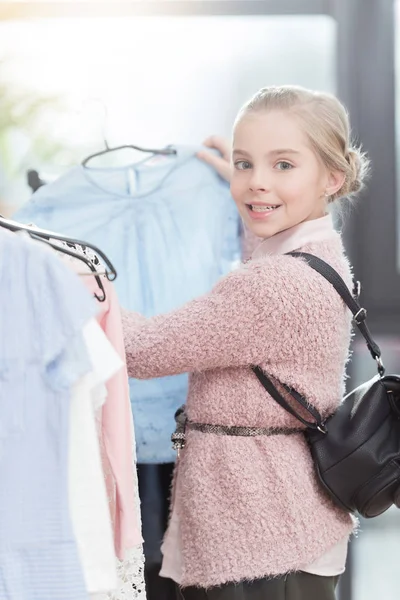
<point x="34" y="181"/>
<point x="78" y="256"/>
<point x="63" y="250"/>
<point x="168" y="151"/>
<point x="160" y="151"/>
<point x="111" y="273"/>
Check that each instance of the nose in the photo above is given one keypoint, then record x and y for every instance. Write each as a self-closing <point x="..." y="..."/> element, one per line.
<point x="258" y="182"/>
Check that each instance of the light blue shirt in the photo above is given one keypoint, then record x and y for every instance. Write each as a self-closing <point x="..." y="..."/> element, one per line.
<point x="43" y="307"/>
<point x="171" y="229"/>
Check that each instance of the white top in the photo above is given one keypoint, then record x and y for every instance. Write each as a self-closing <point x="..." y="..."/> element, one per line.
<point x="88" y="501"/>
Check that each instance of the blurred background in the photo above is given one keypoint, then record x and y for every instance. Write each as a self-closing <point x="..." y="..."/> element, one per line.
<point x="75" y="76"/>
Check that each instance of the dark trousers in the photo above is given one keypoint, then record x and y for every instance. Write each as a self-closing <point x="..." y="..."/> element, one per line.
<point x="295" y="586"/>
<point x="154" y="492"/>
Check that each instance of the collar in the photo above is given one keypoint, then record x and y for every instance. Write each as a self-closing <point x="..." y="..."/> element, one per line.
<point x="296" y="237"/>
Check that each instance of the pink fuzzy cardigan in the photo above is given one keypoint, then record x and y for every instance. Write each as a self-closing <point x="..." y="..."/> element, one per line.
<point x="251" y="507"/>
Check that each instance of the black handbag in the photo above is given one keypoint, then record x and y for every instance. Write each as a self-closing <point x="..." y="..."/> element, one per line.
<point x="356" y="450"/>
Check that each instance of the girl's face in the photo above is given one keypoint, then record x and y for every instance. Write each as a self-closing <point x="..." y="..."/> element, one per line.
<point x="278" y="181"/>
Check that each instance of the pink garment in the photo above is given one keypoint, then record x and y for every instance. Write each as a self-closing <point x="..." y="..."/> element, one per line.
<point x="252" y="507"/>
<point x="249" y="243"/>
<point x="333" y="561"/>
<point x="117" y="430"/>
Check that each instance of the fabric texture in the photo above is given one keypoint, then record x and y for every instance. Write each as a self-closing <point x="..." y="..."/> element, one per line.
<point x="333" y="561"/>
<point x="130" y="585"/>
<point x="256" y="501"/>
<point x="42" y="355"/>
<point x="171" y="228"/>
<point x="88" y="503"/>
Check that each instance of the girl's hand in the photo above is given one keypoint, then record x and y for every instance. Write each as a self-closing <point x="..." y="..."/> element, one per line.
<point x="222" y="164"/>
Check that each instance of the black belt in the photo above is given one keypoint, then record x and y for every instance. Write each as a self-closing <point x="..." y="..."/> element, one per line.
<point x="178" y="438"/>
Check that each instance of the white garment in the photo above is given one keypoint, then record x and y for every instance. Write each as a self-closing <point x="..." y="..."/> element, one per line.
<point x="332" y="563"/>
<point x="89" y="508"/>
<point x="131" y="584"/>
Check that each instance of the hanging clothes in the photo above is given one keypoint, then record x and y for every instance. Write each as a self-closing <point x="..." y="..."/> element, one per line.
<point x="117" y="433"/>
<point x="42" y="355"/>
<point x="107" y="578"/>
<point x="115" y="421"/>
<point x="171" y="228"/>
<point x="118" y="455"/>
<point x="88" y="501"/>
<point x="106" y="456"/>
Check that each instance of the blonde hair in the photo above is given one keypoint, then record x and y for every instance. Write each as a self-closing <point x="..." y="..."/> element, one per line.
<point x="326" y="123"/>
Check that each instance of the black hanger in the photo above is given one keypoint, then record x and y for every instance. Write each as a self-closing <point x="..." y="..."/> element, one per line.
<point x="168" y="151"/>
<point x="34" y="181"/>
<point x="78" y="256"/>
<point x="111" y="273"/>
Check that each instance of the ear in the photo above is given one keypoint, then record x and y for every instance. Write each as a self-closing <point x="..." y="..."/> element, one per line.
<point x="334" y="182"/>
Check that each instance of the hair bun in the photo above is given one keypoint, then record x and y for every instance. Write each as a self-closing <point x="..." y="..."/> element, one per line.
<point x="355" y="178"/>
<point x="356" y="173"/>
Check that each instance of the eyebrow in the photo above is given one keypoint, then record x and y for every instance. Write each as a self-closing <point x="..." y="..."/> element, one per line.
<point x="272" y="153"/>
<point x="284" y="151"/>
<point x="241" y="152"/>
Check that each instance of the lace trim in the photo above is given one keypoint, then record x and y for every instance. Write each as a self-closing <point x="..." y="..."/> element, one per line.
<point x="130" y="579"/>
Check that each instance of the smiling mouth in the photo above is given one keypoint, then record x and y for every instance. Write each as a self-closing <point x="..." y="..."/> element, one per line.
<point x="262" y="209"/>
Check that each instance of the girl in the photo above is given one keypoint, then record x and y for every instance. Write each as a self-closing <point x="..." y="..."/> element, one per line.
<point x="249" y="520"/>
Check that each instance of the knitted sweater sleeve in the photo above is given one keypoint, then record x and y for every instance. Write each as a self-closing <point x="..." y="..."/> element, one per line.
<point x="246" y="318"/>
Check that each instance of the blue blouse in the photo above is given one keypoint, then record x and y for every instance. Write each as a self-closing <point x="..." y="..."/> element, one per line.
<point x="171" y="228"/>
<point x="43" y="308"/>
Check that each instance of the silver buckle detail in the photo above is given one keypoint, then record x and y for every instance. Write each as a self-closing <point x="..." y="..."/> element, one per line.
<point x="322" y="428"/>
<point x="362" y="312"/>
<point x="381" y="366"/>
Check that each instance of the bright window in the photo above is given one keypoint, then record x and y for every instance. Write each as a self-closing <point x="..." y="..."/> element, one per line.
<point x="150" y="80"/>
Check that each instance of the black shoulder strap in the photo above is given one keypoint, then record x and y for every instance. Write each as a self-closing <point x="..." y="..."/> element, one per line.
<point x="359" y="315"/>
<point x="277" y="396"/>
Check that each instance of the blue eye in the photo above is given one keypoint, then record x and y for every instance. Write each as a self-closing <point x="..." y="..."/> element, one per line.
<point x="242" y="165"/>
<point x="283" y="165"/>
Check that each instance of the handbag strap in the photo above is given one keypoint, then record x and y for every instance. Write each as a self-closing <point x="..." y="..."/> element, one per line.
<point x="277" y="396"/>
<point x="359" y="313"/>
<point x="359" y="316"/>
